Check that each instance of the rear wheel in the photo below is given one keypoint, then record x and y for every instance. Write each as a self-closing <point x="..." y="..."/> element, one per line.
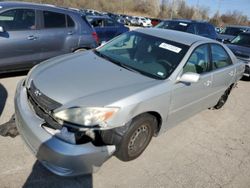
<point x="223" y="99"/>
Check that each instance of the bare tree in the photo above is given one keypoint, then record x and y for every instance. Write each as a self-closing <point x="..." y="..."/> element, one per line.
<point x="155" y="8"/>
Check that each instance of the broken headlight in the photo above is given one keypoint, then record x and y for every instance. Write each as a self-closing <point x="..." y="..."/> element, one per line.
<point x="91" y="116"/>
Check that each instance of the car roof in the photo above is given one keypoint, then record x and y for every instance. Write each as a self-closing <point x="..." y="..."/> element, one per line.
<point x="99" y="17"/>
<point x="10" y="4"/>
<point x="173" y="35"/>
<point x="186" y="21"/>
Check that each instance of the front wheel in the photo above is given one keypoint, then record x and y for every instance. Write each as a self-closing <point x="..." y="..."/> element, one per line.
<point x="136" y="138"/>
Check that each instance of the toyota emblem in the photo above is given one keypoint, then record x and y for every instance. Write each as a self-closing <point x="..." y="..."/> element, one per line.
<point x="37" y="93"/>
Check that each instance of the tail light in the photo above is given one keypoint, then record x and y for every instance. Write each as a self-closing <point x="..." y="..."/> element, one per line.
<point x="95" y="36"/>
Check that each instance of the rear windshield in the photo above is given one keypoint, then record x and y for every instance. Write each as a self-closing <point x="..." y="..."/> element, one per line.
<point x="174" y="25"/>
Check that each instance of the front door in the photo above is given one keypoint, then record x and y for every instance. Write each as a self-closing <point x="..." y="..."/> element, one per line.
<point x="19" y="43"/>
<point x="190" y="98"/>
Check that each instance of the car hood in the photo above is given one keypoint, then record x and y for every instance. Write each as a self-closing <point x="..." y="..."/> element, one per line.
<point x="88" y="78"/>
<point x="240" y="51"/>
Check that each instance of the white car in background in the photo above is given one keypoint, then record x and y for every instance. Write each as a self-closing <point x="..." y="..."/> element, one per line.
<point x="144" y="22"/>
<point x="134" y="21"/>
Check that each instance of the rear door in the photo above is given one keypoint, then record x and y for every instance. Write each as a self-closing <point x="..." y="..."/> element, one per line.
<point x="223" y="71"/>
<point x="19" y="43"/>
<point x="73" y="36"/>
<point x="53" y="33"/>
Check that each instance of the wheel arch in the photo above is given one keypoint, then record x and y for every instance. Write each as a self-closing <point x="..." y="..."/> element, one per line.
<point x="82" y="47"/>
<point x="158" y="119"/>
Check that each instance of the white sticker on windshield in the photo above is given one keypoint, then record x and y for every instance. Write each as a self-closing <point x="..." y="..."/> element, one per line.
<point x="170" y="47"/>
<point x="1" y="7"/>
<point x="183" y="24"/>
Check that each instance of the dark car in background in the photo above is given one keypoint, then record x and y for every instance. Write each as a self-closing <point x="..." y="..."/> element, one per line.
<point x="230" y="32"/>
<point x="240" y="46"/>
<point x="201" y="28"/>
<point x="31" y="33"/>
<point x="106" y="28"/>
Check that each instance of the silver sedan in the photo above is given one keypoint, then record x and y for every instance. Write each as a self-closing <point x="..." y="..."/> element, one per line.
<point x="75" y="111"/>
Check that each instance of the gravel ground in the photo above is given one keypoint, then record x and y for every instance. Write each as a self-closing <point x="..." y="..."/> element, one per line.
<point x="211" y="149"/>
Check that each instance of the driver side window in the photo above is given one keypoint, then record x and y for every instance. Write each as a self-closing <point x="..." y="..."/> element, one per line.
<point x="198" y="62"/>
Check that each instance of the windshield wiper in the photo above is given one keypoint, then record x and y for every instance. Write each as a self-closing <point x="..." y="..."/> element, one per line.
<point x="115" y="62"/>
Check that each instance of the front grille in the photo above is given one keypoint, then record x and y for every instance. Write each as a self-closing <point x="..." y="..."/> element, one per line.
<point x="43" y="105"/>
<point x="46" y="103"/>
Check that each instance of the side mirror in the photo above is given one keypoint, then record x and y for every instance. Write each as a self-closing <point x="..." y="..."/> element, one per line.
<point x="189" y="77"/>
<point x="2" y="30"/>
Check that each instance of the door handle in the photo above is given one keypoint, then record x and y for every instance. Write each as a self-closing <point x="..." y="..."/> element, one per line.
<point x="231" y="73"/>
<point x="70" y="33"/>
<point x="208" y="83"/>
<point x="32" y="37"/>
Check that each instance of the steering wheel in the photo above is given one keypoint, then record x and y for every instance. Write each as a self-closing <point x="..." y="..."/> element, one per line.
<point x="167" y="65"/>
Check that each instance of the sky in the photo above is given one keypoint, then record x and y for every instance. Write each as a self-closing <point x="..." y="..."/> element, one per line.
<point x="223" y="6"/>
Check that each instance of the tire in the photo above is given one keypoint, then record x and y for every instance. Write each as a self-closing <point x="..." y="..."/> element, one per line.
<point x="135" y="137"/>
<point x="223" y="99"/>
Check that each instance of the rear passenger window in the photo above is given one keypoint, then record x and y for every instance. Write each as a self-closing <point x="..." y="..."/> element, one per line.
<point x="220" y="58"/>
<point x="54" y="20"/>
<point x="18" y="19"/>
<point x="70" y="22"/>
<point x="198" y="62"/>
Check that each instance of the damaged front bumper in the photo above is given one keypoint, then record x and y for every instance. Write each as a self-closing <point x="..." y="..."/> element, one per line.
<point x="60" y="157"/>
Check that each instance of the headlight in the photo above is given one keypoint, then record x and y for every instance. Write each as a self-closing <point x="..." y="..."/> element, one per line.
<point x="87" y="116"/>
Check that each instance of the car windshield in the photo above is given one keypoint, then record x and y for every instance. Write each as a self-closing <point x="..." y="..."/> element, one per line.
<point x="232" y="31"/>
<point x="242" y="40"/>
<point x="174" y="25"/>
<point x="144" y="54"/>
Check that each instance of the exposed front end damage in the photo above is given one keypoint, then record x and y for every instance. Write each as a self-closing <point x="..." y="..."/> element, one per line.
<point x="53" y="144"/>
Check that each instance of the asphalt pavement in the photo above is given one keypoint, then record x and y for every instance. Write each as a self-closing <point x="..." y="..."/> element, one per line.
<point x="211" y="149"/>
